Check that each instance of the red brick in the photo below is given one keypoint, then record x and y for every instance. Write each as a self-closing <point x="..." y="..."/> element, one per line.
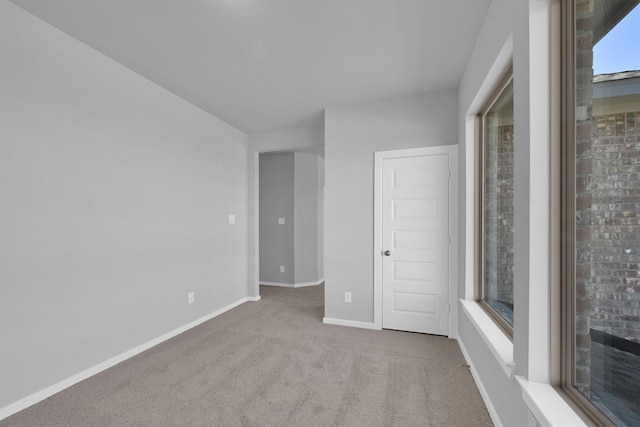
<point x="583" y="201"/>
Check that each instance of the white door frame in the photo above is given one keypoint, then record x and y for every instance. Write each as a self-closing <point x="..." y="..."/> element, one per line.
<point x="380" y="156"/>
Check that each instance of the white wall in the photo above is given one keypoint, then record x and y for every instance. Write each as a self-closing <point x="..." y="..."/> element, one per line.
<point x="320" y="224"/>
<point x="306" y="214"/>
<point x="311" y="139"/>
<point x="352" y="134"/>
<point x="306" y="218"/>
<point x="115" y="202"/>
<point x="277" y="197"/>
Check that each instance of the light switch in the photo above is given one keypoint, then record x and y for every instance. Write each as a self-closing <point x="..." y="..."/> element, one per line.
<point x="281" y="221"/>
<point x="232" y="219"/>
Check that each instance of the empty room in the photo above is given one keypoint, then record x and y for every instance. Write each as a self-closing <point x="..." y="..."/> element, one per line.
<point x="320" y="212"/>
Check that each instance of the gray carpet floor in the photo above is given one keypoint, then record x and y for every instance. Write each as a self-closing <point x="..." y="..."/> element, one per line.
<point x="274" y="363"/>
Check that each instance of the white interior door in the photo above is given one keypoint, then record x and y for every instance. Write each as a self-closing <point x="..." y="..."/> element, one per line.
<point x="415" y="244"/>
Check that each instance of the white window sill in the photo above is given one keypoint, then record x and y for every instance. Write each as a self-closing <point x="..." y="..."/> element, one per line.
<point x="543" y="401"/>
<point x="496" y="340"/>
<point x="547" y="406"/>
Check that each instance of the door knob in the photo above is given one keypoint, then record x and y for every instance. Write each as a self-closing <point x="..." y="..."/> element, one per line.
<point x="387" y="253"/>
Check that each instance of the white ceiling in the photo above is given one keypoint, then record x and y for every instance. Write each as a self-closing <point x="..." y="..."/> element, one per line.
<point x="269" y="65"/>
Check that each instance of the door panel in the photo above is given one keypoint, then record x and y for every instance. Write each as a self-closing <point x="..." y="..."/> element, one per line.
<point x="415" y="229"/>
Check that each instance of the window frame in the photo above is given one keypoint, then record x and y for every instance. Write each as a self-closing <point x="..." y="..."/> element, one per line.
<point x="563" y="162"/>
<point x="505" y="78"/>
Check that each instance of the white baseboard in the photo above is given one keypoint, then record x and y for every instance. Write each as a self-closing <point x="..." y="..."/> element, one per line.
<point x="351" y="323"/>
<point x="254" y="299"/>
<point x="74" y="379"/>
<point x="483" y="392"/>
<point x="293" y="285"/>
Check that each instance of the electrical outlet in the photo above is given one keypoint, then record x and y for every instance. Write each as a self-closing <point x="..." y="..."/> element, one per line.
<point x="190" y="297"/>
<point x="280" y="221"/>
<point x="282" y="269"/>
<point x="232" y="219"/>
<point x="347" y="297"/>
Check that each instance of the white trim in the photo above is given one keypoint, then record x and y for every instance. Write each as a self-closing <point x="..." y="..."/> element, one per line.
<point x="293" y="285"/>
<point x="532" y="185"/>
<point x="254" y="299"/>
<point x="483" y="392"/>
<point x="83" y="375"/>
<point x="350" y="323"/>
<point x="454" y="226"/>
<point x="280" y="285"/>
<point x="254" y="222"/>
<point x="547" y="406"/>
<point x="505" y="55"/>
<point x="452" y="152"/>
<point x="494" y="338"/>
<point x="469" y="237"/>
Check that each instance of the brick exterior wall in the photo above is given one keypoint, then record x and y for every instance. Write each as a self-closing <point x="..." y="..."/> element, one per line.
<point x="498" y="214"/>
<point x="584" y="169"/>
<point x="615" y="229"/>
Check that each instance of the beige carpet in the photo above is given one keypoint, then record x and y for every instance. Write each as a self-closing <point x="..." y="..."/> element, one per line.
<point x="274" y="363"/>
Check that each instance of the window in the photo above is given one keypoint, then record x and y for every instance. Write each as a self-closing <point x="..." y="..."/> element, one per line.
<point x="495" y="205"/>
<point x="601" y="210"/>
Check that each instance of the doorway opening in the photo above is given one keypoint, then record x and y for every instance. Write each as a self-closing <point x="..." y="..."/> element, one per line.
<point x="291" y="187"/>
